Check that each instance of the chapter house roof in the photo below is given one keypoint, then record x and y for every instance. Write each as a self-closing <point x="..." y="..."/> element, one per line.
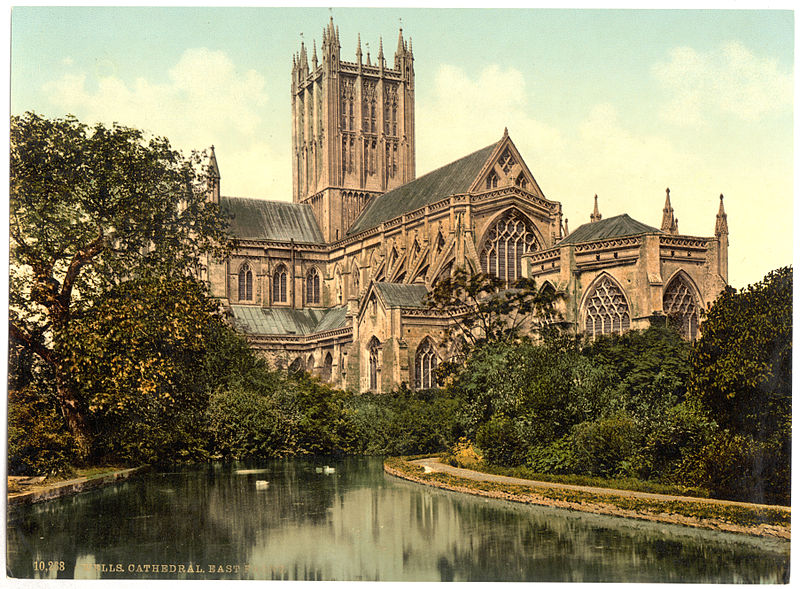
<point x="453" y="178"/>
<point x="283" y="321"/>
<point x="401" y="295"/>
<point x="253" y="218"/>
<point x="619" y="226"/>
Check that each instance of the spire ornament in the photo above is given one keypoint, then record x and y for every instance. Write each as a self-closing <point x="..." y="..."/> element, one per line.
<point x="721" y="227"/>
<point x="595" y="216"/>
<point x="669" y="224"/>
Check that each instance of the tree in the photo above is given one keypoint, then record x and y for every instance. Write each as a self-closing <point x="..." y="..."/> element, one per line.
<point x="742" y="364"/>
<point x="484" y="308"/>
<point x="89" y="208"/>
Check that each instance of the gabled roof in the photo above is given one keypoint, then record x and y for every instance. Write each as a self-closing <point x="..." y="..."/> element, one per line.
<point x="453" y="178"/>
<point x="619" y="226"/>
<point x="283" y="321"/>
<point x="396" y="295"/>
<point x="253" y="218"/>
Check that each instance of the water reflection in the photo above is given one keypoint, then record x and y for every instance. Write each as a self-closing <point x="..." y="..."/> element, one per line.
<point x="208" y="522"/>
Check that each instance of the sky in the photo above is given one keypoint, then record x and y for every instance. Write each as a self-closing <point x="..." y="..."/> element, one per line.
<point x="618" y="103"/>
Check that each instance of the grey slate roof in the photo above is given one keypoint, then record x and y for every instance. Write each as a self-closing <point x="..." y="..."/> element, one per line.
<point x="283" y="321"/>
<point x="254" y="218"/>
<point x="402" y="295"/>
<point x="453" y="178"/>
<point x="619" y="226"/>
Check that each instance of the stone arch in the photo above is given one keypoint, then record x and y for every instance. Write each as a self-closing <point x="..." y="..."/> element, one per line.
<point x="296" y="365"/>
<point x="508" y="235"/>
<point x="310" y="364"/>
<point x="605" y="308"/>
<point x="425" y="362"/>
<point x="355" y="278"/>
<point x="682" y="304"/>
<point x="327" y="367"/>
<point x="245" y="276"/>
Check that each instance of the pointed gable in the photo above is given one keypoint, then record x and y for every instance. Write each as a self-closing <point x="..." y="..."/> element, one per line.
<point x="505" y="167"/>
<point x="453" y="178"/>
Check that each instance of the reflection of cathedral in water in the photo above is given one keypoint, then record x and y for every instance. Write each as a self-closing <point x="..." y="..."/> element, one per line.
<point x="334" y="282"/>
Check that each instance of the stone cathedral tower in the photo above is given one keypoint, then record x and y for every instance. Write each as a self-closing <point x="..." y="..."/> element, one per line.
<point x="352" y="129"/>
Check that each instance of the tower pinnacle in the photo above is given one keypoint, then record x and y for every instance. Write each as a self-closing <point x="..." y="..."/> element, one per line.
<point x="669" y="224"/>
<point x="595" y="216"/>
<point x="721" y="227"/>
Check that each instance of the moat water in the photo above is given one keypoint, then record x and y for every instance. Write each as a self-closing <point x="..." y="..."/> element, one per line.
<point x="356" y="523"/>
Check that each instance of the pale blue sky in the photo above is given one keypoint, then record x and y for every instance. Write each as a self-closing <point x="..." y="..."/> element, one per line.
<point x="615" y="102"/>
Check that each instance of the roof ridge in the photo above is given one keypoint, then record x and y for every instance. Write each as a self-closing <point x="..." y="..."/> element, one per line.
<point x="270" y="200"/>
<point x="455" y="161"/>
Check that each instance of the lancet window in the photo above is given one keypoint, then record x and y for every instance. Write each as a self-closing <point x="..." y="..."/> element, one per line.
<point x="312" y="286"/>
<point x="245" y="283"/>
<point x="681" y="307"/>
<point x="374" y="350"/>
<point x="279" y="285"/>
<point x="607" y="309"/>
<point x="425" y="366"/>
<point x="507" y="240"/>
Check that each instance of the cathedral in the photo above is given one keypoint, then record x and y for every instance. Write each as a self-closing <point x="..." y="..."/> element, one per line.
<point x="335" y="281"/>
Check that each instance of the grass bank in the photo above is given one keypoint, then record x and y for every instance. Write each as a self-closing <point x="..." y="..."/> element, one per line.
<point x="757" y="520"/>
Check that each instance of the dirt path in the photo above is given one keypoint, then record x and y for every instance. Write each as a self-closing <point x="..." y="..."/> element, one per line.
<point x="435" y="465"/>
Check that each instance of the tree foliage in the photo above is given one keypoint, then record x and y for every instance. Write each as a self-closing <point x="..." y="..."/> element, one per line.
<point x="484" y="308"/>
<point x="90" y="207"/>
<point x="742" y="364"/>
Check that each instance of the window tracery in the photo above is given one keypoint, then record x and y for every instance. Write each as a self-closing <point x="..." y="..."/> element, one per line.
<point x="245" y="283"/>
<point x="425" y="366"/>
<point x="312" y="286"/>
<point x="607" y="309"/>
<point x="506" y="241"/>
<point x="681" y="307"/>
<point x="374" y="363"/>
<point x="279" y="285"/>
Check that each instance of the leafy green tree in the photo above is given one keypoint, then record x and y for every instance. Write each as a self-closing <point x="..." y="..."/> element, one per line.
<point x="742" y="364"/>
<point x="484" y="308"/>
<point x="742" y="378"/>
<point x="138" y="362"/>
<point x="90" y="207"/>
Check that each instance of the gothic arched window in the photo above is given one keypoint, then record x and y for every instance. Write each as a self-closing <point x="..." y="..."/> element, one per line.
<point x="681" y="307"/>
<point x="312" y="286"/>
<point x="425" y="366"/>
<point x="374" y="350"/>
<point x="491" y="181"/>
<point x="245" y="283"/>
<point x="510" y="237"/>
<point x="607" y="309"/>
<point x="279" y="285"/>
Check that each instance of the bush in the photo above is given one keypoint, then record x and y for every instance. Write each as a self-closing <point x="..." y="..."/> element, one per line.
<point x="558" y="457"/>
<point x="38" y="440"/>
<point x="737" y="467"/>
<point x="500" y="442"/>
<point x="605" y="447"/>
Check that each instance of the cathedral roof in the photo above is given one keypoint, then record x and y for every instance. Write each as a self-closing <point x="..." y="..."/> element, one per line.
<point x="253" y="218"/>
<point x="401" y="295"/>
<point x="283" y="321"/>
<point x="453" y="178"/>
<point x="619" y="226"/>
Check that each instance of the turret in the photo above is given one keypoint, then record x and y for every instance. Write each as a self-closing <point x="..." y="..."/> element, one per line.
<point x="721" y="233"/>
<point x="721" y="228"/>
<point x="595" y="216"/>
<point x="213" y="177"/>
<point x="669" y="224"/>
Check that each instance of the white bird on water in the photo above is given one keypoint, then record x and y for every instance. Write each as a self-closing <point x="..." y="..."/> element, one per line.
<point x="262" y="484"/>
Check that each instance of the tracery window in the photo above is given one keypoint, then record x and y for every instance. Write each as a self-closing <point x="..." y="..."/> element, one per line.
<point x="425" y="366"/>
<point x="507" y="240"/>
<point x="347" y="100"/>
<point x="681" y="307"/>
<point x="374" y="363"/>
<point x="245" y="283"/>
<point x="521" y="181"/>
<point x="312" y="286"/>
<point x="607" y="310"/>
<point x="368" y="108"/>
<point x="491" y="181"/>
<point x="507" y="162"/>
<point x="279" y="285"/>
